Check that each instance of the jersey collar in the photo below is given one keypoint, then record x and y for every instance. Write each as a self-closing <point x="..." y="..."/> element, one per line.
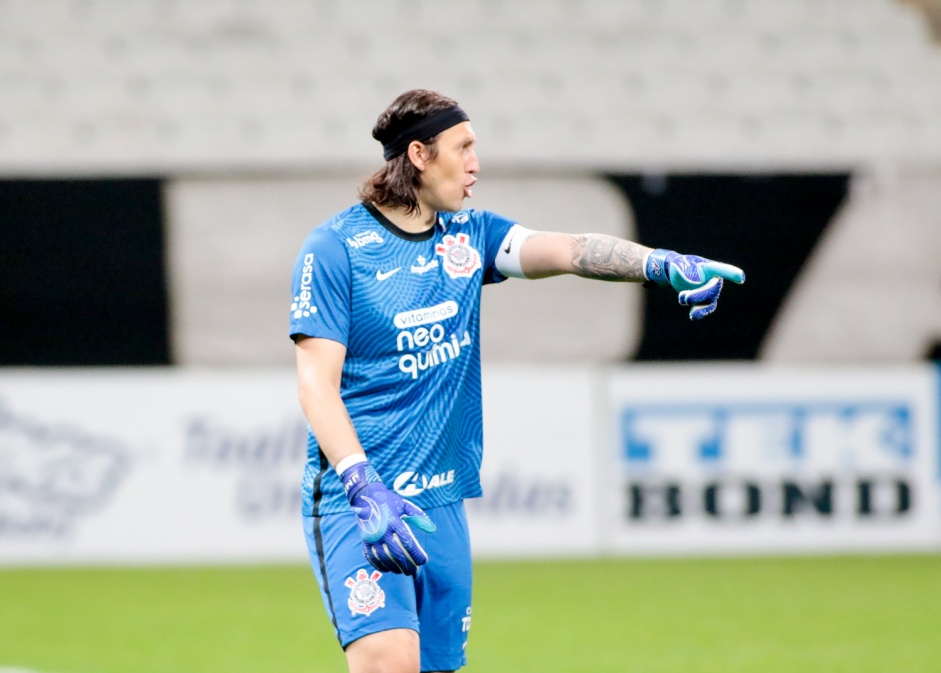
<point x="401" y="233"/>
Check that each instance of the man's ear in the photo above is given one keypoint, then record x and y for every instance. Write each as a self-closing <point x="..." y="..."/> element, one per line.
<point x="418" y="154"/>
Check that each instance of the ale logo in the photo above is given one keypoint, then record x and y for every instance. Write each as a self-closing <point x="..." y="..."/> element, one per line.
<point x="410" y="484"/>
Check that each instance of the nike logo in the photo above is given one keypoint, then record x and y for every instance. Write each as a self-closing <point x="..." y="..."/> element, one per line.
<point x="383" y="276"/>
<point x="509" y="244"/>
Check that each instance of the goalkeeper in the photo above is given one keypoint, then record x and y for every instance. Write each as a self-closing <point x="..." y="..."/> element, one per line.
<point x="385" y="320"/>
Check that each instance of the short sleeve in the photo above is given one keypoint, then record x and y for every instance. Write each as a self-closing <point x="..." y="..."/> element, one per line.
<point x="495" y="228"/>
<point x="321" y="288"/>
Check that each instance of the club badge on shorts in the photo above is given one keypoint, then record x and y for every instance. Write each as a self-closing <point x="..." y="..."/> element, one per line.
<point x="460" y="259"/>
<point x="365" y="594"/>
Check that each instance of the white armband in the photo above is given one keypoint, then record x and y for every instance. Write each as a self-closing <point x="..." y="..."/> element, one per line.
<point x="508" y="257"/>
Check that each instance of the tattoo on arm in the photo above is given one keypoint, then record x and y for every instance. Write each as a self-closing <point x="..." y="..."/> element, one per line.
<point x="607" y="258"/>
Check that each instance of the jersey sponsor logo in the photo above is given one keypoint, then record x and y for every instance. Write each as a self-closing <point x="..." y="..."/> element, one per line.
<point x="441" y="350"/>
<point x="433" y="344"/>
<point x="364" y="238"/>
<point x="423" y="316"/>
<point x="423" y="265"/>
<point x="385" y="275"/>
<point x="410" y="484"/>
<point x="365" y="594"/>
<point x="460" y="218"/>
<point x="460" y="259"/>
<point x="301" y="306"/>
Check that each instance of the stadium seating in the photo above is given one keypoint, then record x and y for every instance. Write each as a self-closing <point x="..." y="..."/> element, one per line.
<point x="92" y="85"/>
<point x="258" y="114"/>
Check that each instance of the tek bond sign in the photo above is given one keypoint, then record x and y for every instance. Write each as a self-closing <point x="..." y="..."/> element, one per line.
<point x="754" y="460"/>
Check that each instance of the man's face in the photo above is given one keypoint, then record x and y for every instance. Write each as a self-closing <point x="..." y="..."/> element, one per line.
<point x="448" y="178"/>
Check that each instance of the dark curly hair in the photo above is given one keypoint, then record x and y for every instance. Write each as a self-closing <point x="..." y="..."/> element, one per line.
<point x="396" y="184"/>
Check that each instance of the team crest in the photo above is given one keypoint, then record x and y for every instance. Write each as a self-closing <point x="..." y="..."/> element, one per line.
<point x="365" y="594"/>
<point x="460" y="259"/>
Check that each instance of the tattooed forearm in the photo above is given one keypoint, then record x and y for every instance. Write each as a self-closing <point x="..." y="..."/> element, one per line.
<point x="607" y="258"/>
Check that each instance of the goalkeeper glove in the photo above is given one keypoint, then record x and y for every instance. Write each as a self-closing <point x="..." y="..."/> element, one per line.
<point x="383" y="518"/>
<point x="697" y="279"/>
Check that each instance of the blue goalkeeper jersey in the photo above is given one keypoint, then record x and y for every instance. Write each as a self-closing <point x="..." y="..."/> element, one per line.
<point x="406" y="306"/>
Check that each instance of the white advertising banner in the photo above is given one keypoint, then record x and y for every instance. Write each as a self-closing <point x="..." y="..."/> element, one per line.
<point x="540" y="464"/>
<point x="751" y="459"/>
<point x="150" y="466"/>
<point x="144" y="466"/>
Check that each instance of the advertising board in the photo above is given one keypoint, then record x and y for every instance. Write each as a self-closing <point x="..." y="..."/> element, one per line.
<point x="745" y="459"/>
<point x="149" y="466"/>
<point x="170" y="466"/>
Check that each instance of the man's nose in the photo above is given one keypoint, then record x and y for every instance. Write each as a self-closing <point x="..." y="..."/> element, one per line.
<point x="473" y="166"/>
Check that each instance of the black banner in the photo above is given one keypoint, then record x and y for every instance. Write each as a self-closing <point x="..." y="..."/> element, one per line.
<point x="766" y="224"/>
<point x="82" y="275"/>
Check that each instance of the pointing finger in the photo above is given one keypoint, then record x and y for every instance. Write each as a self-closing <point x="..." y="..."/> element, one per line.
<point x="723" y="270"/>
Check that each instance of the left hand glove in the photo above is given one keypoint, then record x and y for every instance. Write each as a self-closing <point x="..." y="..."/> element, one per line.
<point x="697" y="279"/>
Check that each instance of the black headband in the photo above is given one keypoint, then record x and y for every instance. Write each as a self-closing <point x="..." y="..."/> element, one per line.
<point x="423" y="129"/>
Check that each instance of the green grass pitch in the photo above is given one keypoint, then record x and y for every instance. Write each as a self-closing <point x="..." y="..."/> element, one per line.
<point x="853" y="614"/>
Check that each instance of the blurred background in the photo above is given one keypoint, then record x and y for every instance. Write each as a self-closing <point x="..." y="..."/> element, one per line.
<point x="161" y="162"/>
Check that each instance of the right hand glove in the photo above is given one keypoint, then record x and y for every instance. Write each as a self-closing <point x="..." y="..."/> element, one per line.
<point x="697" y="280"/>
<point x="383" y="518"/>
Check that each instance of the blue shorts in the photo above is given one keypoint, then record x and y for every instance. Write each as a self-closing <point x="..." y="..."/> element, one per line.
<point x="360" y="600"/>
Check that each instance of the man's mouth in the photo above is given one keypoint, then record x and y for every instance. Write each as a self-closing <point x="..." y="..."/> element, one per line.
<point x="468" y="192"/>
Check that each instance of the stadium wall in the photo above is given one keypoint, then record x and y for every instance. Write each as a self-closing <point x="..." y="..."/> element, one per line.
<point x="199" y="267"/>
<point x="148" y="466"/>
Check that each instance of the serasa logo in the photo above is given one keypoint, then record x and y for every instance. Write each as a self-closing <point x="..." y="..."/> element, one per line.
<point x="410" y="484"/>
<point x="364" y="238"/>
<point x="301" y="305"/>
<point x="432" y="345"/>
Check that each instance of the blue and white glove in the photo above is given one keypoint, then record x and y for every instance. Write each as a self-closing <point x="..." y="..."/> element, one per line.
<point x="697" y="279"/>
<point x="384" y="518"/>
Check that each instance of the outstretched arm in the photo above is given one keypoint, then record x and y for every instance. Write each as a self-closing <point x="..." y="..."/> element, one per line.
<point x="597" y="256"/>
<point x="697" y="280"/>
